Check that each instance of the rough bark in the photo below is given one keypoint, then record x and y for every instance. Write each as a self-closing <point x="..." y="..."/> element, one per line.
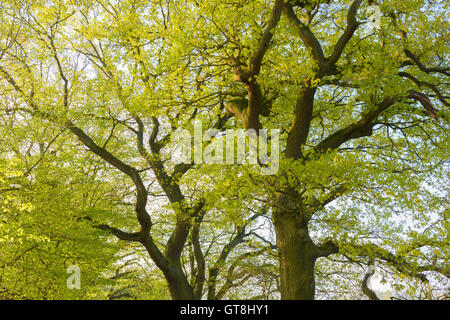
<point x="179" y="286"/>
<point x="296" y="257"/>
<point x="297" y="252"/>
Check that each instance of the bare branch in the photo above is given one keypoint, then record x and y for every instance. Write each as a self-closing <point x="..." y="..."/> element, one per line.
<point x="416" y="60"/>
<point x="426" y="84"/>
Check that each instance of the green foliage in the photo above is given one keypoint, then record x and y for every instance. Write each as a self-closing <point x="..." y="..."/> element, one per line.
<point x="128" y="73"/>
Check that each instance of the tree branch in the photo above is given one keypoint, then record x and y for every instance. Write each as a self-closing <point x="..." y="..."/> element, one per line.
<point x="417" y="62"/>
<point x="249" y="115"/>
<point x="426" y="84"/>
<point x="141" y="196"/>
<point x="359" y="129"/>
<point x="308" y="38"/>
<point x="301" y="122"/>
<point x="122" y="235"/>
<point x="199" y="257"/>
<point x="214" y="271"/>
<point x="364" y="285"/>
<point x="352" y="25"/>
<point x="258" y="55"/>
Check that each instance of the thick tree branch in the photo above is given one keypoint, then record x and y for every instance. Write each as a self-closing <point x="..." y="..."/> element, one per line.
<point x="359" y="129"/>
<point x="298" y="134"/>
<point x="308" y="38"/>
<point x="178" y="238"/>
<point x="425" y="84"/>
<point x="352" y="25"/>
<point x="199" y="257"/>
<point x="122" y="235"/>
<point x="326" y="249"/>
<point x="141" y="197"/>
<point x="249" y="115"/>
<point x="258" y="55"/>
<point x="331" y="196"/>
<point x="365" y="287"/>
<point x="304" y="108"/>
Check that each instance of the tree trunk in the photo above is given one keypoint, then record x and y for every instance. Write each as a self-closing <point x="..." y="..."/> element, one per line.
<point x="179" y="286"/>
<point x="296" y="256"/>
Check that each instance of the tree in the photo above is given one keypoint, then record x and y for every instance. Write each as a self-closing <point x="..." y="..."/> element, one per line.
<point x="42" y="191"/>
<point x="362" y="113"/>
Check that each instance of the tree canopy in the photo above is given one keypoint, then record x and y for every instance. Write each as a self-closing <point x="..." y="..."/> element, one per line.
<point x="92" y="91"/>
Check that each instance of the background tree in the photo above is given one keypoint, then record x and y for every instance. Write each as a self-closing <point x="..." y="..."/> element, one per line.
<point x="42" y="191"/>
